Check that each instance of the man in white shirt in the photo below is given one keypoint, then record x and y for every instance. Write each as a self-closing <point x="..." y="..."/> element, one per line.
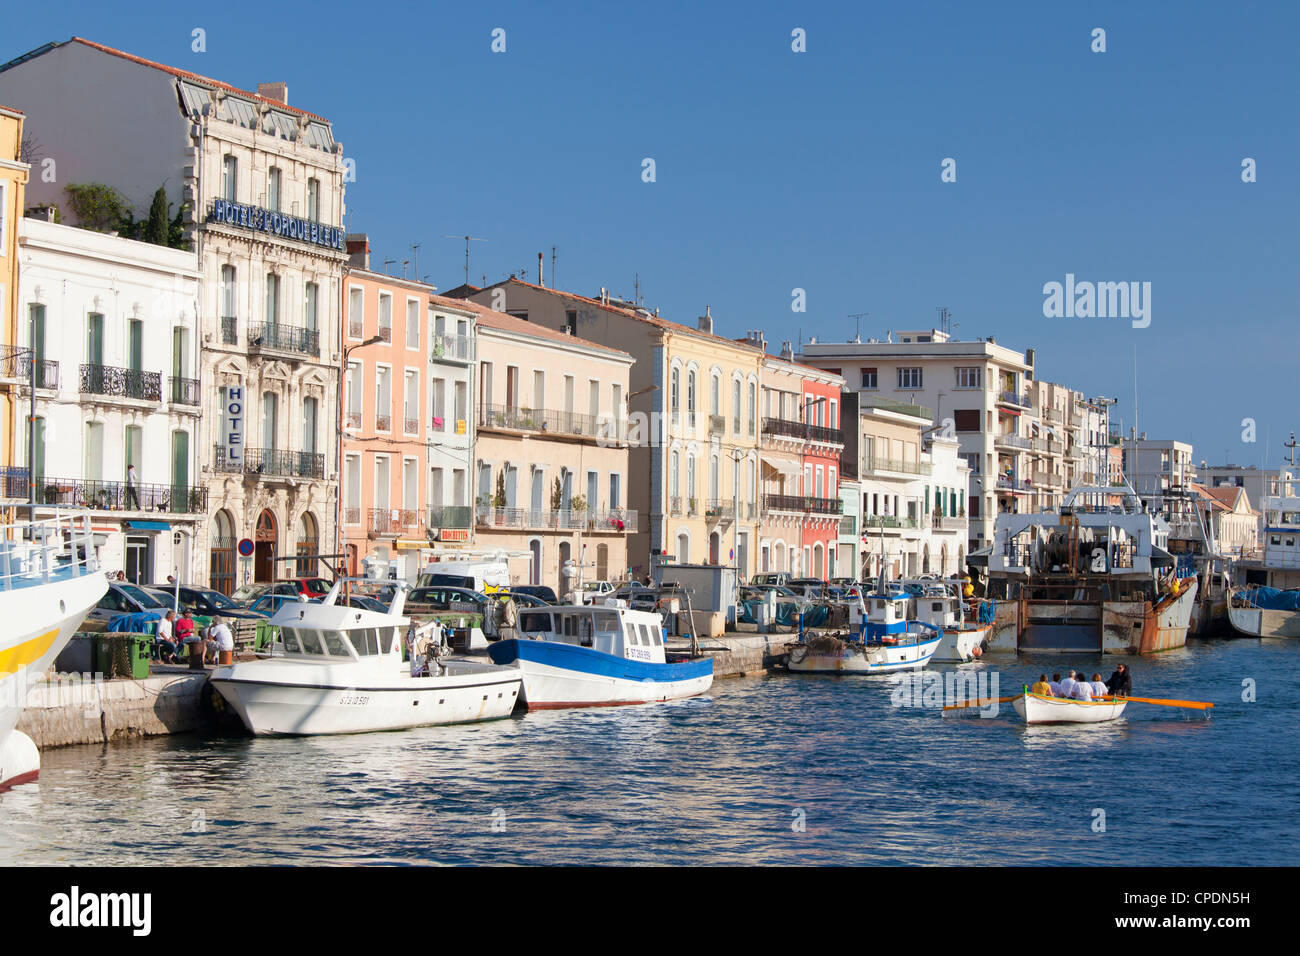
<point x="1067" y="685"/>
<point x="1055" y="685"/>
<point x="1082" y="690"/>
<point x="220" y="639"/>
<point x="1098" y="687"/>
<point x="166" y="643"/>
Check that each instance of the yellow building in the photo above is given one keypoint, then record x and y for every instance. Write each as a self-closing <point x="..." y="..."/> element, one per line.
<point x="13" y="368"/>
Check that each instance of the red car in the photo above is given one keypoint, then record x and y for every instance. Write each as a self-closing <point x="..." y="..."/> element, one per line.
<point x="307" y="587"/>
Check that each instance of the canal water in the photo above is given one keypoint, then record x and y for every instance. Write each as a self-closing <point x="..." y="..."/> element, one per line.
<point x="783" y="769"/>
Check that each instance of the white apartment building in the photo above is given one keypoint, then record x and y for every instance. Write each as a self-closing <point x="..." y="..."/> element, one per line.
<point x="113" y="329"/>
<point x="1154" y="466"/>
<point x="976" y="391"/>
<point x="262" y="186"/>
<point x="1258" y="483"/>
<point x="452" y="377"/>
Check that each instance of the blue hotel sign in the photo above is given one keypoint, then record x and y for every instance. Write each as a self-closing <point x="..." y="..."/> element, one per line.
<point x="276" y="223"/>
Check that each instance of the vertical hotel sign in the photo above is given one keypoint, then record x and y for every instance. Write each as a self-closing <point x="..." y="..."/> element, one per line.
<point x="233" y="429"/>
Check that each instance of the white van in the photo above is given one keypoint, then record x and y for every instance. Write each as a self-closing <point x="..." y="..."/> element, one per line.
<point x="482" y="576"/>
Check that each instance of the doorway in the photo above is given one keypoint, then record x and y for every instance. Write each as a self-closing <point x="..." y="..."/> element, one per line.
<point x="138" y="570"/>
<point x="264" y="548"/>
<point x="562" y="588"/>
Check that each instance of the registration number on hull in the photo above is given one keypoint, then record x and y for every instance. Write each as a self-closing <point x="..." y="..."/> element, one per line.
<point x="353" y="699"/>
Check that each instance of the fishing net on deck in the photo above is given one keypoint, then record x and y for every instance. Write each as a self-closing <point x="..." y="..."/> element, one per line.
<point x="824" y="645"/>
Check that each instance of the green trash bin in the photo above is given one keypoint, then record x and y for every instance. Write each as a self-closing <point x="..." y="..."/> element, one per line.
<point x="123" y="655"/>
<point x="267" y="634"/>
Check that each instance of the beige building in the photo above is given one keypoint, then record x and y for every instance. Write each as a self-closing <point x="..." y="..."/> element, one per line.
<point x="693" y="421"/>
<point x="1234" y="522"/>
<point x="15" y="362"/>
<point x="552" y="473"/>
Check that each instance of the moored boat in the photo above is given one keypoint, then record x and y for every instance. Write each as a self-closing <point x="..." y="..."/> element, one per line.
<point x="338" y="670"/>
<point x="584" y="656"/>
<point x="1264" y="611"/>
<point x="49" y="581"/>
<point x="1042" y="709"/>
<point x="879" y="640"/>
<point x="938" y="603"/>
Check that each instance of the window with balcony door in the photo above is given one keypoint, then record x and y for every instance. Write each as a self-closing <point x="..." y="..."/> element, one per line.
<point x="313" y="200"/>
<point x="968" y="377"/>
<point x="310" y="301"/>
<point x="868" y="378"/>
<point x="273" y="180"/>
<point x="412" y="323"/>
<point x="909" y="378"/>
<point x="356" y="312"/>
<point x="385" y="317"/>
<point x="230" y="178"/>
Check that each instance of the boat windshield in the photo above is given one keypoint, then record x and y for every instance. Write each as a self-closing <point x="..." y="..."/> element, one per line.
<point x="535" y="621"/>
<point x="365" y="640"/>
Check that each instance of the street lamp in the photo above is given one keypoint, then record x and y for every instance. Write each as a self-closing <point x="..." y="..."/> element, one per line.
<point x="338" y="461"/>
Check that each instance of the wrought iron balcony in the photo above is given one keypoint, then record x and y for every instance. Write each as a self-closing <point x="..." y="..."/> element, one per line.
<point x="412" y="426"/>
<point x="354" y="420"/>
<point x="354" y="328"/>
<point x="272" y="462"/>
<point x="452" y="348"/>
<point x="717" y="424"/>
<point x="872" y="466"/>
<point x="229" y="330"/>
<point x="16" y="363"/>
<point x="803" y="504"/>
<point x="563" y="519"/>
<point x="450" y="516"/>
<point x="547" y="421"/>
<point x="14" y="482"/>
<point x="721" y="508"/>
<point x="352" y="516"/>
<point x="385" y="333"/>
<point x="1012" y="397"/>
<point x="284" y="338"/>
<point x="120" y="496"/>
<point x="803" y="431"/>
<point x="121" y="383"/>
<point x="889" y="521"/>
<point x="185" y="391"/>
<point x="383" y="423"/>
<point x="675" y="506"/>
<point x="393" y="521"/>
<point x="1013" y="441"/>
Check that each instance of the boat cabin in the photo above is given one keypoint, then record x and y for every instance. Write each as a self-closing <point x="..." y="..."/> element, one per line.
<point x="621" y="632"/>
<point x="354" y="644"/>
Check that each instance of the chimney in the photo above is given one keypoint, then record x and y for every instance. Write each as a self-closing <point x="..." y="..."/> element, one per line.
<point x="787" y="351"/>
<point x="1029" y="357"/>
<point x="274" y="91"/>
<point x="541" y="280"/>
<point x="358" y="250"/>
<point x="706" y="321"/>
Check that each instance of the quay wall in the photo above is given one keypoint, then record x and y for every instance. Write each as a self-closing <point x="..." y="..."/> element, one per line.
<point x="64" y="712"/>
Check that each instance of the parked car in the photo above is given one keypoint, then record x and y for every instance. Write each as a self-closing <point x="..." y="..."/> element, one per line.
<point x="203" y="601"/>
<point x="269" y="604"/>
<point x="525" y="600"/>
<point x="770" y="577"/>
<point x="123" y="598"/>
<point x="540" y="591"/>
<point x="443" y="598"/>
<point x="311" y="587"/>
<point x="250" y="593"/>
<point x="365" y="603"/>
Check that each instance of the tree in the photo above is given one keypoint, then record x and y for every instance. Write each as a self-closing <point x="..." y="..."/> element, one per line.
<point x="99" y="207"/>
<point x="499" y="499"/>
<point x="156" y="226"/>
<point x="557" y="495"/>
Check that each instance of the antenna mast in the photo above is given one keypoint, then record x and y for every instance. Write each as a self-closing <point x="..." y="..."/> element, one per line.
<point x="468" y="240"/>
<point x="858" y="317"/>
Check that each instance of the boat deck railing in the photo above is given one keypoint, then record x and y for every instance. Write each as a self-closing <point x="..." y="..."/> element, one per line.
<point x="50" y="549"/>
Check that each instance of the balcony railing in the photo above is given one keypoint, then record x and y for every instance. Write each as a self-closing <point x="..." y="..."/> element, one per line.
<point x="119" y="496"/>
<point x="564" y="519"/>
<point x="383" y="423"/>
<point x="354" y="420"/>
<point x="1053" y="416"/>
<point x="717" y="424"/>
<point x="355" y="328"/>
<point x="393" y="521"/>
<point x="1012" y="397"/>
<point x="284" y="338"/>
<point x="412" y="426"/>
<point x="16" y="363"/>
<point x="14" y="482"/>
<point x="546" y="420"/>
<point x="804" y="504"/>
<point x="722" y="508"/>
<point x="185" y="391"/>
<point x="386" y="333"/>
<point x="902" y="408"/>
<point x="1013" y="441"/>
<point x="352" y="516"/>
<point x="452" y="348"/>
<point x="1013" y="484"/>
<point x="785" y="428"/>
<point x="675" y="506"/>
<point x="229" y="333"/>
<point x="949" y="523"/>
<point x="450" y="516"/>
<point x="872" y="466"/>
<point x="121" y="383"/>
<point x="888" y="521"/>
<point x="272" y="462"/>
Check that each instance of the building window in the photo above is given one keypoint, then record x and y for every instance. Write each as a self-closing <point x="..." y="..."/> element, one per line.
<point x="309" y="425"/>
<point x="313" y="199"/>
<point x="735" y="406"/>
<point x="412" y="323"/>
<point x="909" y="378"/>
<point x="311" y="299"/>
<point x="385" y="317"/>
<point x="230" y="178"/>
<point x="356" y="312"/>
<point x="272" y="298"/>
<point x="968" y="378"/>
<point x="273" y="189"/>
<point x="675" y="396"/>
<point x="966" y="419"/>
<point x="753" y="407"/>
<point x="690" y="399"/>
<point x="869" y="378"/>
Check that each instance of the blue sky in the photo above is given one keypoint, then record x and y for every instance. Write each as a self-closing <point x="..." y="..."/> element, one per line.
<point x="821" y="170"/>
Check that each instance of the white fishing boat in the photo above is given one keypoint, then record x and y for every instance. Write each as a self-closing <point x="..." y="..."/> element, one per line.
<point x="49" y="581"/>
<point x="582" y="656"/>
<point x="339" y="670"/>
<point x="939" y="604"/>
<point x="1267" y="601"/>
<point x="879" y="639"/>
<point x="1040" y="709"/>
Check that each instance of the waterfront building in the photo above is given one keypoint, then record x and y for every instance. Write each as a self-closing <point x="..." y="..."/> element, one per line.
<point x="1154" y="466"/>
<point x="802" y="445"/>
<point x="850" y="543"/>
<point x="1229" y="517"/>
<point x="976" y="390"/>
<point x="1258" y="483"/>
<point x="552" y="469"/>
<point x="945" y="496"/>
<point x="693" y="422"/>
<point x="382" y="494"/>
<point x="258" y="188"/>
<point x="452" y="430"/>
<point x="113" y="327"/>
<point x="14" y="361"/>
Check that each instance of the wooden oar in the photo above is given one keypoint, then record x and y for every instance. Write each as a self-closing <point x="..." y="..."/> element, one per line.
<point x="981" y="703"/>
<point x="1193" y="704"/>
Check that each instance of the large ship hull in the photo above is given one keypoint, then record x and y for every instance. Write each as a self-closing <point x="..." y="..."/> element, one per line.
<point x="1105" y="627"/>
<point x="1258" y="622"/>
<point x="39" y="621"/>
<point x="823" y="657"/>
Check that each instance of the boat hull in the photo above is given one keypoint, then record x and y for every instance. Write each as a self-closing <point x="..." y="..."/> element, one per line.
<point x="1258" y="622"/>
<point x="29" y="642"/>
<point x="1037" y="709"/>
<point x="960" y="645"/>
<point x="856" y="658"/>
<point x="558" y="675"/>
<point x="299" y="702"/>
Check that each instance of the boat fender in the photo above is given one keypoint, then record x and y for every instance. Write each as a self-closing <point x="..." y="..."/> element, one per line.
<point x="975" y="652"/>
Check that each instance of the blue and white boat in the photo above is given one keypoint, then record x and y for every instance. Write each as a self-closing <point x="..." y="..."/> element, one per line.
<point x="577" y="656"/>
<point x="880" y="639"/>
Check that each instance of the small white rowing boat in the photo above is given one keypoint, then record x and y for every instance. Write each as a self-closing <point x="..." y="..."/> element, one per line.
<point x="1039" y="709"/>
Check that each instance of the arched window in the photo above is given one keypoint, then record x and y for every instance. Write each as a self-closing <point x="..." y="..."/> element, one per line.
<point x="308" y="544"/>
<point x="690" y="399"/>
<point x="674" y="486"/>
<point x="753" y="407"/>
<point x="221" y="553"/>
<point x="715" y="394"/>
<point x="692" y="506"/>
<point x="735" y="406"/>
<point x="683" y="547"/>
<point x="675" y="396"/>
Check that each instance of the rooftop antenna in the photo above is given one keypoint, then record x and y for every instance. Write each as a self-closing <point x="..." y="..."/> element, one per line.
<point x="387" y="263"/>
<point x="945" y="319"/>
<point x="406" y="265"/>
<point x="415" y="258"/>
<point x="858" y="317"/>
<point x="553" y="283"/>
<point x="1291" y="446"/>
<point x="468" y="240"/>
